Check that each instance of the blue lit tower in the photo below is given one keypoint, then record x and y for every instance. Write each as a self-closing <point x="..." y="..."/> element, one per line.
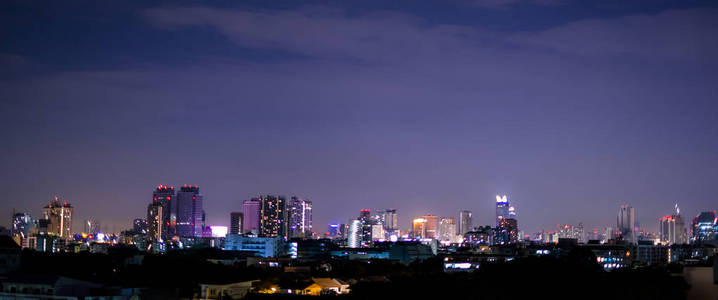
<point x="502" y="208"/>
<point x="189" y="212"/>
<point x="704" y="227"/>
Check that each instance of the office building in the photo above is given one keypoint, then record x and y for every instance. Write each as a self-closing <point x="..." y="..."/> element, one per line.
<point x="626" y="223"/>
<point x="704" y="228"/>
<point x="155" y="225"/>
<point x="334" y="231"/>
<point x="390" y="220"/>
<point x="672" y="229"/>
<point x="447" y="230"/>
<point x="418" y="228"/>
<point x="507" y="232"/>
<point x="59" y="215"/>
<point x="139" y="226"/>
<point x="366" y="223"/>
<point x="354" y="234"/>
<point x="465" y="222"/>
<point x="22" y="225"/>
<point x="273" y="216"/>
<point x="431" y="226"/>
<point x="502" y="208"/>
<point x="250" y="210"/>
<point x="188" y="212"/>
<point x="262" y="246"/>
<point x="165" y="196"/>
<point x="236" y="220"/>
<point x="300" y="218"/>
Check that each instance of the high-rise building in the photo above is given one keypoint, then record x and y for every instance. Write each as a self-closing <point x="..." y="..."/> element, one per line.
<point x="465" y="222"/>
<point x="273" y="216"/>
<point x="418" y="228"/>
<point x="139" y="226"/>
<point x="155" y="223"/>
<point x="189" y="212"/>
<point x="377" y="232"/>
<point x="626" y="223"/>
<point x="704" y="227"/>
<point x="366" y="223"/>
<point x="571" y="232"/>
<point x="390" y="221"/>
<point x="506" y="232"/>
<point x="354" y="235"/>
<point x="165" y="196"/>
<point x="334" y="230"/>
<point x="447" y="230"/>
<point x="502" y="208"/>
<point x="672" y="228"/>
<point x="236" y="220"/>
<point x="22" y="224"/>
<point x="300" y="218"/>
<point x="431" y="226"/>
<point x="59" y="215"/>
<point x="250" y="210"/>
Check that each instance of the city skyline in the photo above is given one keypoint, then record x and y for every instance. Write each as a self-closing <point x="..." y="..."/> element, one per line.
<point x="571" y="109"/>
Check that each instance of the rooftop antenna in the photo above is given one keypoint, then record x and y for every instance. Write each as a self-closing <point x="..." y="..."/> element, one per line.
<point x="678" y="210"/>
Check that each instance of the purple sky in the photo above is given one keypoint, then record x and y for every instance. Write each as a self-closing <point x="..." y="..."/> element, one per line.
<point x="570" y="109"/>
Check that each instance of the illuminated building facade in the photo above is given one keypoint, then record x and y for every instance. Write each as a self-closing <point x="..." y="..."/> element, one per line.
<point x="366" y="223"/>
<point x="502" y="208"/>
<point x="431" y="226"/>
<point x="165" y="196"/>
<point x="704" y="227"/>
<point x="155" y="223"/>
<point x="626" y="223"/>
<point x="139" y="226"/>
<point x="300" y="218"/>
<point x="189" y="213"/>
<point x="22" y="223"/>
<point x="236" y="220"/>
<point x="447" y="230"/>
<point x="250" y="210"/>
<point x="59" y="215"/>
<point x="465" y="222"/>
<point x="273" y="216"/>
<point x="354" y="234"/>
<point x="418" y="228"/>
<point x="390" y="220"/>
<point x="507" y="232"/>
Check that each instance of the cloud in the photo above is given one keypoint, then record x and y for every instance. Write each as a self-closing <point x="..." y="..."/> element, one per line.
<point x="326" y="32"/>
<point x="678" y="34"/>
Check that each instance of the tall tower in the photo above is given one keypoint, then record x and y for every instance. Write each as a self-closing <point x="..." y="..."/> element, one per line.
<point x="250" y="210"/>
<point x="465" y="222"/>
<point x="273" y="216"/>
<point x="21" y="225"/>
<point x="155" y="223"/>
<point x="502" y="208"/>
<point x="626" y="223"/>
<point x="447" y="230"/>
<point x="300" y="218"/>
<point x="235" y="223"/>
<point x="391" y="221"/>
<point x="431" y="226"/>
<point x="165" y="196"/>
<point x="189" y="212"/>
<point x="354" y="239"/>
<point x="366" y="223"/>
<point x="59" y="215"/>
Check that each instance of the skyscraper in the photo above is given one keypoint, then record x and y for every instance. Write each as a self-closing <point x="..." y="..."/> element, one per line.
<point x="418" y="228"/>
<point x="626" y="223"/>
<point x="250" y="210"/>
<point x="366" y="223"/>
<point x="92" y="226"/>
<point x="188" y="212"/>
<point x="59" y="216"/>
<point x="704" y="227"/>
<point x="300" y="218"/>
<point x="502" y="208"/>
<point x="165" y="196"/>
<point x="354" y="235"/>
<point x="391" y="221"/>
<point x="236" y="220"/>
<point x="506" y="232"/>
<point x="155" y="223"/>
<point x="447" y="230"/>
<point x="465" y="222"/>
<point x="273" y="216"/>
<point x="21" y="225"/>
<point x="431" y="226"/>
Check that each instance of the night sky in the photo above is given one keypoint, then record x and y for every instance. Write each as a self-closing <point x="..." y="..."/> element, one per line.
<point x="571" y="108"/>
